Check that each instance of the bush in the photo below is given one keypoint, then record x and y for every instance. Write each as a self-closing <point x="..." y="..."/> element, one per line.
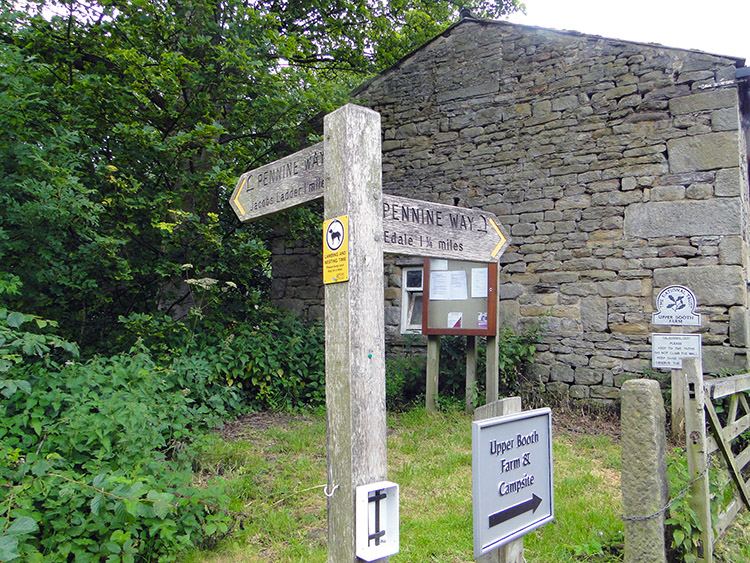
<point x="277" y="362"/>
<point x="516" y="352"/>
<point x="92" y="464"/>
<point x="404" y="381"/>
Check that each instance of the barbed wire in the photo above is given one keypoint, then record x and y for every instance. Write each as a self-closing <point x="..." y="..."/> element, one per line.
<point x="677" y="497"/>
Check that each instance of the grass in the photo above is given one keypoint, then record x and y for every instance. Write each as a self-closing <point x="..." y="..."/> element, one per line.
<point x="734" y="545"/>
<point x="275" y="473"/>
<point x="274" y="468"/>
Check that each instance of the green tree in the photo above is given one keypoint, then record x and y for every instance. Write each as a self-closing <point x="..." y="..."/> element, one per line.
<point x="127" y="122"/>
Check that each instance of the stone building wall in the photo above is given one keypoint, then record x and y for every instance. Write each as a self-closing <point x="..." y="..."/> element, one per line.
<point x="618" y="168"/>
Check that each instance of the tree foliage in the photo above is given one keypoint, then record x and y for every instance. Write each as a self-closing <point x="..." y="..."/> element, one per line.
<point x="127" y="122"/>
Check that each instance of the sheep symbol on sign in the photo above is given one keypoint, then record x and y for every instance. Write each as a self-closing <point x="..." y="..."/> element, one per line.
<point x="335" y="235"/>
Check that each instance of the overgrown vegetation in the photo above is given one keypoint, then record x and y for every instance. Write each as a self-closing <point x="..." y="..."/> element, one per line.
<point x="95" y="454"/>
<point x="92" y="463"/>
<point x="405" y="371"/>
<point x="684" y="526"/>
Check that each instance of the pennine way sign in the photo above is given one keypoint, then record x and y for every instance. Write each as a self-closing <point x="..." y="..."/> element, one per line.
<point x="283" y="184"/>
<point x="422" y="228"/>
<point x="410" y="226"/>
<point x="512" y="477"/>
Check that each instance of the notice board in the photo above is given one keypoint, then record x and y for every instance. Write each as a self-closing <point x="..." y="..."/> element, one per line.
<point x="461" y="298"/>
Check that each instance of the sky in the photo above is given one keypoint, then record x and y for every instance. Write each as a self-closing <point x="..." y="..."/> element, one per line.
<point x="720" y="27"/>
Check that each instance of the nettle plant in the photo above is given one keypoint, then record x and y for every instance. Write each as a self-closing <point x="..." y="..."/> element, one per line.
<point x="683" y="522"/>
<point x="25" y="338"/>
<point x="95" y="463"/>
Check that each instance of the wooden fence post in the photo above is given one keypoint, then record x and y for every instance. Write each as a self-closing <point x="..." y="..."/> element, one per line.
<point x="695" y="442"/>
<point x="677" y="419"/>
<point x="354" y="316"/>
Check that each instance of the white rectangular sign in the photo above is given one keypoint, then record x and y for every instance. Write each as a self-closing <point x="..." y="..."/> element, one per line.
<point x="512" y="477"/>
<point x="668" y="350"/>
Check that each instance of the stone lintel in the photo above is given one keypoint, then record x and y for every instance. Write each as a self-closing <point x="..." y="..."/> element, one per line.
<point x="719" y="216"/>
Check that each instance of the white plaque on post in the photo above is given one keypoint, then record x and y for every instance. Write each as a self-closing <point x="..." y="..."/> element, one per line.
<point x="676" y="305"/>
<point x="668" y="350"/>
<point x="376" y="516"/>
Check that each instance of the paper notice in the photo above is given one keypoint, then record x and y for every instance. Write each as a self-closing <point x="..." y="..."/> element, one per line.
<point x="454" y="320"/>
<point x="478" y="283"/>
<point x="448" y="286"/>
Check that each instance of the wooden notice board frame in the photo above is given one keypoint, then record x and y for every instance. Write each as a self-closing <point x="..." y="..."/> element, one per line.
<point x="440" y="314"/>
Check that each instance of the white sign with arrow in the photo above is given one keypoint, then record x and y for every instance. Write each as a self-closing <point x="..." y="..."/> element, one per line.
<point x="512" y="477"/>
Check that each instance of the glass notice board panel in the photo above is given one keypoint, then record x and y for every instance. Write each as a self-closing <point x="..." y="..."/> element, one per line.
<point x="461" y="297"/>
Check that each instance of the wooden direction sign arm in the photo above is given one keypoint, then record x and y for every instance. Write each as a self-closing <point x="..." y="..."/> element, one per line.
<point x="423" y="228"/>
<point x="288" y="182"/>
<point x="410" y="226"/>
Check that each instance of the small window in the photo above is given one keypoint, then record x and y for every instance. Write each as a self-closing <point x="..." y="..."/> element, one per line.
<point x="411" y="300"/>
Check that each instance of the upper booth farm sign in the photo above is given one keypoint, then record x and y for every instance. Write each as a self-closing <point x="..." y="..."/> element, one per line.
<point x="410" y="227"/>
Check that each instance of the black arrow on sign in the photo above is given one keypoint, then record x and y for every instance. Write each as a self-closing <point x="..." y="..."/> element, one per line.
<point x="516" y="510"/>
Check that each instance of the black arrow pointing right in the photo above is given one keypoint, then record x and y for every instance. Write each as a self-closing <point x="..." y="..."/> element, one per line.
<point x="516" y="510"/>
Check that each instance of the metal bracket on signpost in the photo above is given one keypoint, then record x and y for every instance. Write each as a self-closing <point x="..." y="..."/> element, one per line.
<point x="378" y="533"/>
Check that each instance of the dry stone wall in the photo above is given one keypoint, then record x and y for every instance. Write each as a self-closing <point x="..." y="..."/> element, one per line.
<point x="618" y="168"/>
<point x="297" y="274"/>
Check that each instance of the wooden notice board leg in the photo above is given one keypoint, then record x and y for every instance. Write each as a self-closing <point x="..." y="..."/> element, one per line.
<point x="492" y="382"/>
<point x="354" y="319"/>
<point x="433" y="368"/>
<point x="491" y="377"/>
<point x="471" y="373"/>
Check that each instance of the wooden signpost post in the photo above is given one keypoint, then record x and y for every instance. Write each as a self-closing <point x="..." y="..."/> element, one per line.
<point x="355" y="326"/>
<point x="360" y="225"/>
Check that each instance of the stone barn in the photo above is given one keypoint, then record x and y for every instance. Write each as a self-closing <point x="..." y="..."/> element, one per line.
<point x="618" y="168"/>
